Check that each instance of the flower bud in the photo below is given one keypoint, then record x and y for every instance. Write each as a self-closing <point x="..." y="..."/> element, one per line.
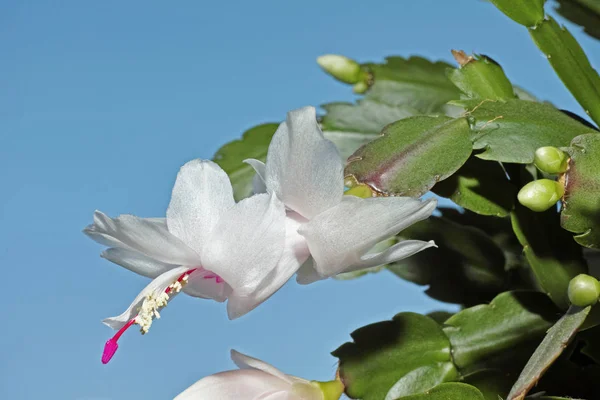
<point x="332" y="390"/>
<point x="584" y="290"/>
<point x="550" y="160"/>
<point x="362" y="191"/>
<point x="540" y="195"/>
<point x="360" y="87"/>
<point x="341" y="68"/>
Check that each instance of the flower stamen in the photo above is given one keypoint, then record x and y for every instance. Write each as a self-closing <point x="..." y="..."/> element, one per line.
<point x="147" y="312"/>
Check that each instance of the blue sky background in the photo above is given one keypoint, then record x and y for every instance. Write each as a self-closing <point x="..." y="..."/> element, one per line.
<point x="102" y="101"/>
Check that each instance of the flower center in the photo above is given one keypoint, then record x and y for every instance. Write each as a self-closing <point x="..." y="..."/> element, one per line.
<point x="149" y="310"/>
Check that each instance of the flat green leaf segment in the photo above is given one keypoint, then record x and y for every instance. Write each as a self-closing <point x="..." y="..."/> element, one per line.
<point x="552" y="346"/>
<point x="570" y="63"/>
<point x="511" y="319"/>
<point x="408" y="354"/>
<point x="479" y="77"/>
<point x="449" y="391"/>
<point x="581" y="206"/>
<point x="253" y="144"/>
<point x="467" y="267"/>
<point x="511" y="131"/>
<point x="480" y="186"/>
<point x="415" y="82"/>
<point x="412" y="155"/>
<point x="585" y="13"/>
<point x="527" y="13"/>
<point x="552" y="256"/>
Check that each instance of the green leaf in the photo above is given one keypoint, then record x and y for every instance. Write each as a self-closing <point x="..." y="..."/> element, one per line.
<point x="511" y="319"/>
<point x="491" y="382"/>
<point x="582" y="12"/>
<point x="581" y="204"/>
<point x="551" y="347"/>
<point x="385" y="352"/>
<point x="467" y="267"/>
<point x="570" y="64"/>
<point x="553" y="257"/>
<point x="412" y="155"/>
<point x="511" y="131"/>
<point x="527" y="13"/>
<point x="415" y="82"/>
<point x="449" y="391"/>
<point x="253" y="144"/>
<point x="480" y="186"/>
<point x="480" y="77"/>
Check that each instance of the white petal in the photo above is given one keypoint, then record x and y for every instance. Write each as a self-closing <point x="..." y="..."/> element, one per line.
<point x="303" y="168"/>
<point x="258" y="182"/>
<point x="201" y="195"/>
<point x="244" y="384"/>
<point x="294" y="255"/>
<point x="247" y="242"/>
<point x="246" y="362"/>
<point x="136" y="262"/>
<point x="308" y="274"/>
<point x="157" y="286"/>
<point x="204" y="284"/>
<point x="403" y="249"/>
<point x="143" y="235"/>
<point x="339" y="237"/>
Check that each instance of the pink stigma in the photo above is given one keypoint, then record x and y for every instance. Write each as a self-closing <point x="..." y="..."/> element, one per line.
<point x="110" y="348"/>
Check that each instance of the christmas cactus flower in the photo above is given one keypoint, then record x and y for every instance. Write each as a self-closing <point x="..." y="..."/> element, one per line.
<point x="306" y="172"/>
<point x="258" y="380"/>
<point x="208" y="246"/>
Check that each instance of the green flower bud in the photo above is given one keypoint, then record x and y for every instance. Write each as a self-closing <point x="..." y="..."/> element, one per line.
<point x="362" y="191"/>
<point x="360" y="87"/>
<point x="584" y="290"/>
<point x="341" y="68"/>
<point x="551" y="160"/>
<point x="332" y="390"/>
<point x="540" y="195"/>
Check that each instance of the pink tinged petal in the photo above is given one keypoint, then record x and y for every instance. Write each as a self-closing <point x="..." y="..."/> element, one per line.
<point x="136" y="262"/>
<point x="201" y="195"/>
<point x="294" y="255"/>
<point x="143" y="235"/>
<point x="339" y="237"/>
<point x="245" y="384"/>
<point x="207" y="285"/>
<point x="157" y="286"/>
<point x="258" y="182"/>
<point x="244" y="361"/>
<point x="399" y="251"/>
<point x="247" y="243"/>
<point x="303" y="168"/>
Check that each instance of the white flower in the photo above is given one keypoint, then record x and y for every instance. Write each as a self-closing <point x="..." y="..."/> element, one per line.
<point x="306" y="172"/>
<point x="257" y="380"/>
<point x="208" y="246"/>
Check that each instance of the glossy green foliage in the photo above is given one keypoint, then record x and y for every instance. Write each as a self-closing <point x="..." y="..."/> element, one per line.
<point x="553" y="257"/>
<point x="552" y="346"/>
<point x="253" y="144"/>
<point x="411" y="349"/>
<point x="448" y="391"/>
<point x="414" y="82"/>
<point x="402" y="162"/>
<point x="480" y="77"/>
<point x="480" y="186"/>
<point x="467" y="267"/>
<point x="511" y="131"/>
<point x="582" y="12"/>
<point x="570" y="63"/>
<point x="581" y="205"/>
<point x="524" y="12"/>
<point x="511" y="319"/>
